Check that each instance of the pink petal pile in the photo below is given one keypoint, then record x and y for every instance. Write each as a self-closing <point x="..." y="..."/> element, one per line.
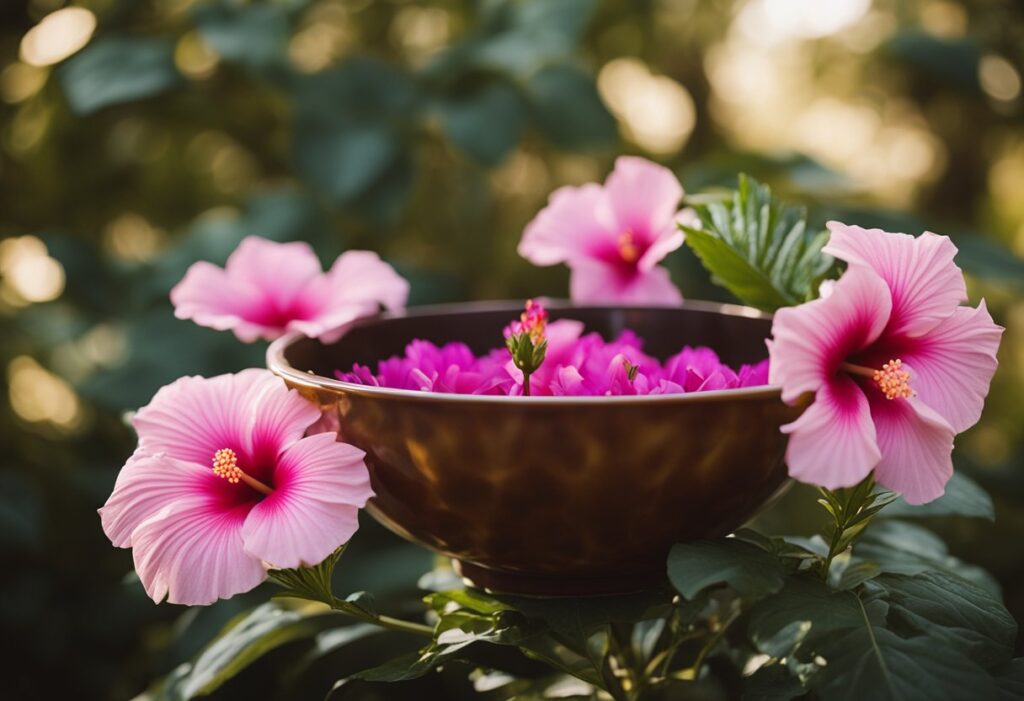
<point x="576" y="364"/>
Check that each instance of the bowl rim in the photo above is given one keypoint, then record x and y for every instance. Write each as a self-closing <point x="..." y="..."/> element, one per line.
<point x="279" y="365"/>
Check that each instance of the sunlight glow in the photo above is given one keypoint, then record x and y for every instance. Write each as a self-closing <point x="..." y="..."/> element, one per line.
<point x="37" y="395"/>
<point x="28" y="272"/>
<point x="774" y="21"/>
<point x="57" y="36"/>
<point x="656" y="112"/>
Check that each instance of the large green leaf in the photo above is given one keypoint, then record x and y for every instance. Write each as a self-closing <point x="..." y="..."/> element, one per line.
<point x="349" y="134"/>
<point x="519" y="36"/>
<point x="951" y="60"/>
<point x="898" y="637"/>
<point x="966" y="618"/>
<point x="1010" y="680"/>
<point x="803" y="606"/>
<point x="580" y="616"/>
<point x="118" y="69"/>
<point x="905" y="548"/>
<point x="869" y="662"/>
<point x="255" y="35"/>
<point x="693" y="567"/>
<point x="247" y="639"/>
<point x="758" y="247"/>
<point x="486" y="124"/>
<point x="963" y="497"/>
<point x="567" y="109"/>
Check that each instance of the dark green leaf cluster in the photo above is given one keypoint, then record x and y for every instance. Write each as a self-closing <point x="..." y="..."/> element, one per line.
<point x="758" y="247"/>
<point x="884" y="613"/>
<point x="355" y="126"/>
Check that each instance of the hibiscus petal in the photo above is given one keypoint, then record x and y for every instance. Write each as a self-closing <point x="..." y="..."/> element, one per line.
<point x="362" y="276"/>
<point x="953" y="365"/>
<point x="833" y="443"/>
<point x="926" y="284"/>
<point x="192" y="552"/>
<point x="211" y="298"/>
<point x="644" y="197"/>
<point x="917" y="447"/>
<point x="320" y="485"/>
<point x="810" y="340"/>
<point x="567" y="229"/>
<point x="194" y="417"/>
<point x="277" y="418"/>
<point x="279" y="270"/>
<point x="145" y="485"/>
<point x="594" y="282"/>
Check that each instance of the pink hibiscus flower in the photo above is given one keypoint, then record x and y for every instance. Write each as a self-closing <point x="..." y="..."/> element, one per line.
<point x="612" y="237"/>
<point x="223" y="485"/>
<point x="268" y="288"/>
<point x="896" y="365"/>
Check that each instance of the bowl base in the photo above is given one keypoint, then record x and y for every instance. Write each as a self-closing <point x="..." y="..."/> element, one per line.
<point x="523" y="584"/>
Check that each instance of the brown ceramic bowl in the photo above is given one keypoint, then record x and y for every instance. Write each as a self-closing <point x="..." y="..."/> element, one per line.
<point x="554" y="495"/>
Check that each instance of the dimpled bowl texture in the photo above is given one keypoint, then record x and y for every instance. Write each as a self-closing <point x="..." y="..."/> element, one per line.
<point x="554" y="495"/>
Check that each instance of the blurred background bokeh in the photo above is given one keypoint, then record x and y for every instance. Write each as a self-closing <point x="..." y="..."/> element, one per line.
<point x="137" y="136"/>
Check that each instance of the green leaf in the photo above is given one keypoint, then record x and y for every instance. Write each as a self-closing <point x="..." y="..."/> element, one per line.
<point x="472" y="599"/>
<point x="869" y="662"/>
<point x="247" y="639"/>
<point x="485" y="124"/>
<point x="992" y="262"/>
<point x="772" y="682"/>
<point x="1010" y="680"/>
<point x="965" y="617"/>
<point x="349" y="133"/>
<point x="578" y="617"/>
<point x="900" y="547"/>
<point x="519" y="37"/>
<point x="118" y="69"/>
<point x="256" y="35"/>
<point x="344" y="161"/>
<point x="567" y="109"/>
<point x="804" y="602"/>
<point x="758" y="247"/>
<point x="693" y="567"/>
<point x="963" y="497"/>
<point x="898" y="637"/>
<point x="953" y="61"/>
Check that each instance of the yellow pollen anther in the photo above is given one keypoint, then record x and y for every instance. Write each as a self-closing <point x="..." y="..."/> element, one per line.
<point x="627" y="248"/>
<point x="225" y="466"/>
<point x="893" y="380"/>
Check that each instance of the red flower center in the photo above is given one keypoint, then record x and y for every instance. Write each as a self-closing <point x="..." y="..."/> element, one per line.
<point x="225" y="466"/>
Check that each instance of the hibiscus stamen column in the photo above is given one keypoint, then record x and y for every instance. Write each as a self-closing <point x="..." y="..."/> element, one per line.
<point x="892" y="379"/>
<point x="628" y="249"/>
<point x="225" y="465"/>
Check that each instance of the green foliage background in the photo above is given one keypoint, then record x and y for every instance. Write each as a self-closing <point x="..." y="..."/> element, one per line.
<point x="430" y="132"/>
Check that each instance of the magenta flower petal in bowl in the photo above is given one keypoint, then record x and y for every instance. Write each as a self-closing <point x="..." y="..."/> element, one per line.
<point x="896" y="366"/>
<point x="612" y="237"/>
<point x="267" y="288"/>
<point x="224" y="485"/>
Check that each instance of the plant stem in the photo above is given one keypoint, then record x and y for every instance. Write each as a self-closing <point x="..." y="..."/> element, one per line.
<point x="526" y="384"/>
<point x="621" y="649"/>
<point x="856" y="499"/>
<point x="713" y="642"/>
<point x="387" y="622"/>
